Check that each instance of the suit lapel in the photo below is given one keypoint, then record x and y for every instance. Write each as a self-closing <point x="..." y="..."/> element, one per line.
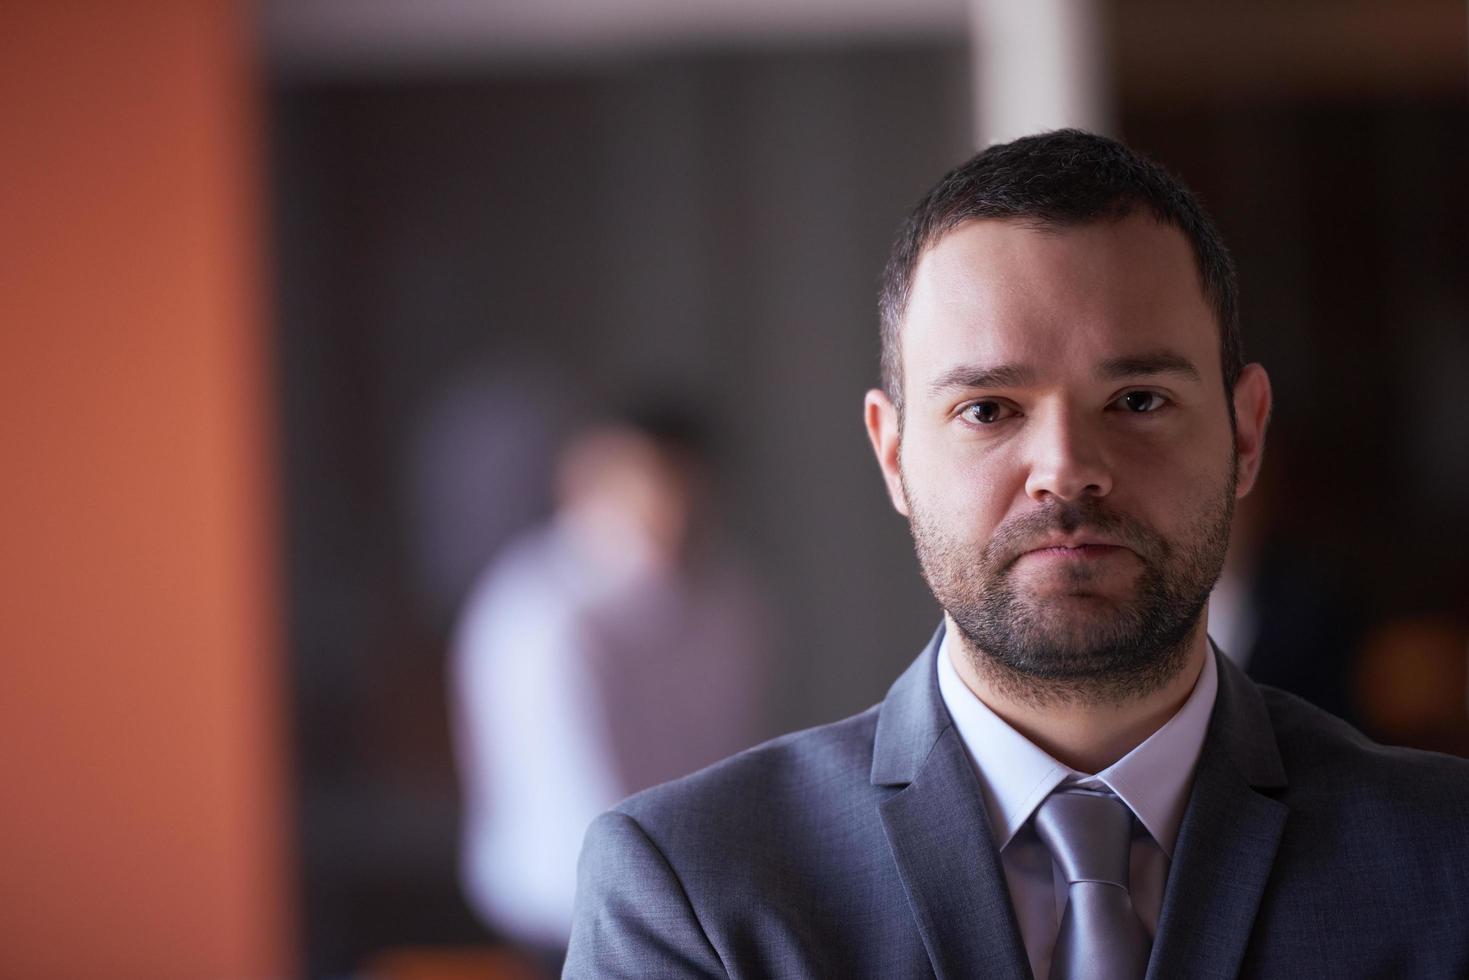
<point x="1227" y="842"/>
<point x="946" y="857"/>
<point x="939" y="835"/>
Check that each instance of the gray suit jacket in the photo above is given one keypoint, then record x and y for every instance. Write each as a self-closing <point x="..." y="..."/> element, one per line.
<point x="862" y="849"/>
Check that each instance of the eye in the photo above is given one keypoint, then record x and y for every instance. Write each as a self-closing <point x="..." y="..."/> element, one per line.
<point x="1141" y="401"/>
<point x="987" y="411"/>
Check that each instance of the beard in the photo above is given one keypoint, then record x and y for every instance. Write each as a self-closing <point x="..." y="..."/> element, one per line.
<point x="1076" y="645"/>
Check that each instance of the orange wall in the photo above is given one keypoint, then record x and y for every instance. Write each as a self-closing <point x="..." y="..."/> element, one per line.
<point x="142" y="807"/>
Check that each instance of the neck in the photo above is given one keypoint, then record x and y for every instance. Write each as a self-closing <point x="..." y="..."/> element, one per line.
<point x="1085" y="735"/>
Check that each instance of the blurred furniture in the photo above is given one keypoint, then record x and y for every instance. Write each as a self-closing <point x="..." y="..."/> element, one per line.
<point x="1413" y="684"/>
<point x="452" y="963"/>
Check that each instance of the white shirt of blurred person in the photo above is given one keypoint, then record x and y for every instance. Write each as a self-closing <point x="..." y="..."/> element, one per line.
<point x="599" y="655"/>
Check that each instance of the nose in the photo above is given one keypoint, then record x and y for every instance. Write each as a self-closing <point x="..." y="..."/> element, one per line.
<point x="1067" y="461"/>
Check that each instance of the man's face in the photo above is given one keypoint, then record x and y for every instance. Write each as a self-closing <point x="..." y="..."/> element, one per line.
<point x="1066" y="457"/>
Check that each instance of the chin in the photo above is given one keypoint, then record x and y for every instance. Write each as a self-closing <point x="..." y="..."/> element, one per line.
<point x="1077" y="637"/>
<point x="1070" y="612"/>
<point x="1050" y="586"/>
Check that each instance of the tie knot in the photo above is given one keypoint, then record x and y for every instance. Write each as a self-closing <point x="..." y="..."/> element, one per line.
<point x="1089" y="834"/>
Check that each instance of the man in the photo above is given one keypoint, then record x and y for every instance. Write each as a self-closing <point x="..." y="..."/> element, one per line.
<point x="604" y="651"/>
<point x="1069" y="781"/>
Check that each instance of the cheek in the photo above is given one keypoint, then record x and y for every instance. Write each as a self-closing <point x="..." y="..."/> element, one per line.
<point x="1186" y="457"/>
<point x="1172" y="492"/>
<point x="966" y="492"/>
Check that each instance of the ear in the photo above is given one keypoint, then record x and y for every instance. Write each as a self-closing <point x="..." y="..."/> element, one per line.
<point x="886" y="436"/>
<point x="1251" y="417"/>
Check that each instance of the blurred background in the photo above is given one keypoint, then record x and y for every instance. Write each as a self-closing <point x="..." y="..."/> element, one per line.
<point x="345" y="345"/>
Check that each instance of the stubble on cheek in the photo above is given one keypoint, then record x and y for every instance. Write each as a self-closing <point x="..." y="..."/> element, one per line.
<point x="1075" y="641"/>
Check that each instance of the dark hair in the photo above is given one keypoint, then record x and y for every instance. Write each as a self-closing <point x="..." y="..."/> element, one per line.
<point x="1058" y="179"/>
<point x="671" y="423"/>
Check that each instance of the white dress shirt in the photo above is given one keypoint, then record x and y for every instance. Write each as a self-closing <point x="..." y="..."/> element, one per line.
<point x="1015" y="775"/>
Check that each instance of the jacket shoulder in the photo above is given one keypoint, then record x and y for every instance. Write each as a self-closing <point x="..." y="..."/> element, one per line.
<point x="1327" y="759"/>
<point x="762" y="861"/>
<point x="785" y="775"/>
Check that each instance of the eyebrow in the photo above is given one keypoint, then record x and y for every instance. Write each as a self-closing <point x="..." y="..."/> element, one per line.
<point x="966" y="376"/>
<point x="975" y="376"/>
<point x="1151" y="362"/>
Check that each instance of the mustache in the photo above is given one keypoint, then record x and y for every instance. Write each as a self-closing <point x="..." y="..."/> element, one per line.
<point x="1018" y="535"/>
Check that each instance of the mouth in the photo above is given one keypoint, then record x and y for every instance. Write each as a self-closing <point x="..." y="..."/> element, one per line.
<point x="1073" y="541"/>
<point x="1079" y="549"/>
<point x="1076" y="551"/>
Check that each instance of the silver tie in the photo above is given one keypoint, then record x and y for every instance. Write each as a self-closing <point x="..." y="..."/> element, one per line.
<point x="1090" y="836"/>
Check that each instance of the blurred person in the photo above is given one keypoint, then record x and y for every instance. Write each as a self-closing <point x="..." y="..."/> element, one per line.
<point x="1070" y="780"/>
<point x="609" y="650"/>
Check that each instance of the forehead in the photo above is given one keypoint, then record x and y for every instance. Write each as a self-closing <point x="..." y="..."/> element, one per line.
<point x="993" y="291"/>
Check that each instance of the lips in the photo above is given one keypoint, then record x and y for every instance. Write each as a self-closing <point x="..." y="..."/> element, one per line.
<point x="1078" y="548"/>
<point x="1075" y="551"/>
<point x="1071" y="542"/>
<point x="1071" y="533"/>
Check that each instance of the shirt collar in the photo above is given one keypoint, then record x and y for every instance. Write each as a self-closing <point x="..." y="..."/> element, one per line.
<point x="1016" y="775"/>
